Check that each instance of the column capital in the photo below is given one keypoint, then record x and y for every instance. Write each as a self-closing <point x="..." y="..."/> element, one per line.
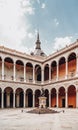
<point x="66" y="60"/>
<point x="77" y="56"/>
<point x="49" y="93"/>
<point x="2" y="59"/>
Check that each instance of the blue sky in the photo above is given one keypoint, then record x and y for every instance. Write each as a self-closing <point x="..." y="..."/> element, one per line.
<point x="56" y="20"/>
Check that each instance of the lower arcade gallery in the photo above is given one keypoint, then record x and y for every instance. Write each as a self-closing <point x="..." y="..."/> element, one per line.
<point x="28" y="98"/>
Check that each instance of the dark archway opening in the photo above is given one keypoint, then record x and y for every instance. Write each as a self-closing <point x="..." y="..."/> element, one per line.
<point x="30" y="99"/>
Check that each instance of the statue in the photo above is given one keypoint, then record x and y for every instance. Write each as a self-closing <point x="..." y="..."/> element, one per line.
<point x="42" y="92"/>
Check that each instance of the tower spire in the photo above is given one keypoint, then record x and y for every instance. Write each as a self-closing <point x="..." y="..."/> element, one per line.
<point x="38" y="42"/>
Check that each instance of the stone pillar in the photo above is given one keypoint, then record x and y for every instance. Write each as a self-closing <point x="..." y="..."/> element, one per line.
<point x="24" y="72"/>
<point x="33" y="99"/>
<point x="14" y="99"/>
<point x="8" y="99"/>
<point x="66" y="102"/>
<point x="77" y="66"/>
<point x="57" y="70"/>
<point x="33" y="74"/>
<point x="66" y="69"/>
<point x="49" y="74"/>
<point x="2" y="102"/>
<point x="49" y="99"/>
<point x="42" y="76"/>
<point x="57" y="99"/>
<point x="2" y="69"/>
<point x="77" y="98"/>
<point x="14" y="71"/>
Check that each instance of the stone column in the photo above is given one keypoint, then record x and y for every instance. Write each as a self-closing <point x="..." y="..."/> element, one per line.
<point x="57" y="99"/>
<point x="33" y="74"/>
<point x="57" y="70"/>
<point x="33" y="99"/>
<point x="14" y="99"/>
<point x="42" y="76"/>
<point x="2" y="69"/>
<point x="77" y="66"/>
<point x="2" y="103"/>
<point x="49" y="74"/>
<point x="24" y="99"/>
<point x="66" y="102"/>
<point x="77" y="98"/>
<point x="14" y="71"/>
<point x="49" y="99"/>
<point x="24" y="72"/>
<point x="66" y="69"/>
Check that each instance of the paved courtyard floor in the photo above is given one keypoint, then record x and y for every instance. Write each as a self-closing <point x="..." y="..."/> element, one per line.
<point x="15" y="119"/>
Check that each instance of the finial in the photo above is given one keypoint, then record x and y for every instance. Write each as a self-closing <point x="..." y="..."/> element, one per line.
<point x="38" y="41"/>
<point x="38" y="36"/>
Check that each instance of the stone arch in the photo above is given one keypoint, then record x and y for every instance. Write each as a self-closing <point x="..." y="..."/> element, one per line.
<point x="19" y="70"/>
<point x="47" y="96"/>
<point x="46" y="72"/>
<point x="53" y="70"/>
<point x="61" y="100"/>
<point x="37" y="95"/>
<point x="8" y="97"/>
<point x="29" y="72"/>
<point x="72" y="64"/>
<point x="53" y="97"/>
<point x="19" y="97"/>
<point x="62" y="67"/>
<point x="8" y="68"/>
<point x="37" y="72"/>
<point x="72" y="96"/>
<point x="29" y="97"/>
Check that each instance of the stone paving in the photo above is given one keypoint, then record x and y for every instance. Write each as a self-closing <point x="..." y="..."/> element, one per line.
<point x="16" y="119"/>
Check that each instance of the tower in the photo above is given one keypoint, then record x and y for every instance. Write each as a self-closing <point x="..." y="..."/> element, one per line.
<point x="38" y="51"/>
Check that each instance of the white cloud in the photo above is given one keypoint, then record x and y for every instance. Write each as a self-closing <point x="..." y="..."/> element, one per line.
<point x="27" y="6"/>
<point x="43" y="5"/>
<point x="14" y="25"/>
<point x="61" y="42"/>
<point x="56" y="22"/>
<point x="30" y="35"/>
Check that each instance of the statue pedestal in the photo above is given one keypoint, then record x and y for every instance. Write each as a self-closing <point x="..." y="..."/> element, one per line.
<point x="42" y="102"/>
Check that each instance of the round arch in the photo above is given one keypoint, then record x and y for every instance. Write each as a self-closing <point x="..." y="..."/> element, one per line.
<point x="72" y="64"/>
<point x="53" y="97"/>
<point x="38" y="72"/>
<point x="62" y="67"/>
<point x="29" y="97"/>
<point x="53" y="70"/>
<point x="72" y="96"/>
<point x="47" y="96"/>
<point x="8" y="97"/>
<point x="46" y="72"/>
<point x="29" y="72"/>
<point x="37" y="95"/>
<point x="8" y="68"/>
<point x="19" y="97"/>
<point x="61" y="100"/>
<point x="19" y="70"/>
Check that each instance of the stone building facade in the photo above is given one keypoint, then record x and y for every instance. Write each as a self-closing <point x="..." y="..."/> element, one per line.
<point x="22" y="76"/>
